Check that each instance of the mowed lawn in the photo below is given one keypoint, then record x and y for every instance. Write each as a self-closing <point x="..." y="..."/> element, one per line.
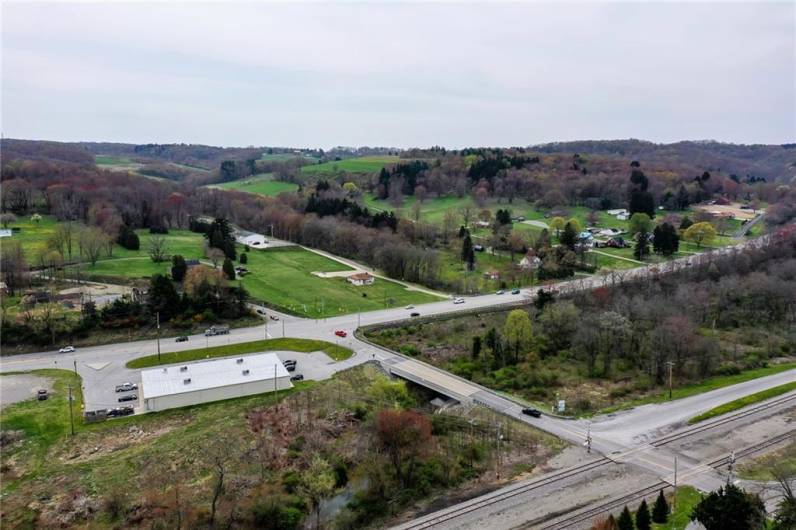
<point x="364" y="164"/>
<point x="262" y="184"/>
<point x="32" y="236"/>
<point x="283" y="277"/>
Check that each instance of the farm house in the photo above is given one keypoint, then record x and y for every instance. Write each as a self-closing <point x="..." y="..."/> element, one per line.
<point x="205" y="381"/>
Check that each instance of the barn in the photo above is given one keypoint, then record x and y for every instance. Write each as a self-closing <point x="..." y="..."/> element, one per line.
<point x="213" y="380"/>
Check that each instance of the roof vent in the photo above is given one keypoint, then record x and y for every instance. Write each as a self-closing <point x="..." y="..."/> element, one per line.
<point x="245" y="372"/>
<point x="183" y="368"/>
<point x="240" y="361"/>
<point x="186" y="381"/>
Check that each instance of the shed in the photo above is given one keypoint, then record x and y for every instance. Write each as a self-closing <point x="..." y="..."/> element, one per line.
<point x="205" y="381"/>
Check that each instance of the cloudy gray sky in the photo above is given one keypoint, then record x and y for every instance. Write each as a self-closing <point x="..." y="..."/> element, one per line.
<point x="398" y="74"/>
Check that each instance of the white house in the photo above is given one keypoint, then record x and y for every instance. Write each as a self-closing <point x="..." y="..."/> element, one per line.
<point x="205" y="381"/>
<point x="361" y="278"/>
<point x="251" y="239"/>
<point x="616" y="212"/>
<point x="530" y="261"/>
<point x="623" y="216"/>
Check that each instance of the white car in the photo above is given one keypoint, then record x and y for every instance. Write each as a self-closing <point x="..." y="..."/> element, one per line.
<point x="67" y="349"/>
<point x="410" y="307"/>
<point x="458" y="300"/>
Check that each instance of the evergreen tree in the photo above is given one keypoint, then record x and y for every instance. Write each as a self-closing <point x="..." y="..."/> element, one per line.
<point x="625" y="521"/>
<point x="665" y="239"/>
<point x="229" y="269"/>
<point x="730" y="508"/>
<point x="163" y="297"/>
<point x="682" y="200"/>
<point x="685" y="223"/>
<point x="569" y="236"/>
<point x="178" y="268"/>
<point x="642" y="248"/>
<point x="468" y="254"/>
<point x="476" y="351"/>
<point x="219" y="235"/>
<point x="643" y="516"/>
<point x="128" y="238"/>
<point x="660" y="511"/>
<point x="244" y="258"/>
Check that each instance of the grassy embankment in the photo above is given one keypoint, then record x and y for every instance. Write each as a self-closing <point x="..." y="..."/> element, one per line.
<point x="336" y="352"/>
<point x="743" y="402"/>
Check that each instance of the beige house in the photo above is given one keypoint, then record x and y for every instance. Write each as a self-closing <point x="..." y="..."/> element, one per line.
<point x="362" y="278"/>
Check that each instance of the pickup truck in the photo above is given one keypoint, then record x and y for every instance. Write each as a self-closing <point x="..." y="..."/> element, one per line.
<point x="216" y="330"/>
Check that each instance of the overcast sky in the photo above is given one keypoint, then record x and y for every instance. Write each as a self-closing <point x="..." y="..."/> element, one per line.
<point x="398" y="74"/>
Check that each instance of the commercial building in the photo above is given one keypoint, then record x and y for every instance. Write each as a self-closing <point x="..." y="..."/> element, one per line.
<point x="213" y="380"/>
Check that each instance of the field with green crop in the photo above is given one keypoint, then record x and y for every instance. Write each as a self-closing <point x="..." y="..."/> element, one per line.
<point x="263" y="184"/>
<point x="103" y="160"/>
<point x="283" y="277"/>
<point x="364" y="164"/>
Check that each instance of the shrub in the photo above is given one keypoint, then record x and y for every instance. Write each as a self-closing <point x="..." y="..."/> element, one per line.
<point x="274" y="515"/>
<point x="290" y="481"/>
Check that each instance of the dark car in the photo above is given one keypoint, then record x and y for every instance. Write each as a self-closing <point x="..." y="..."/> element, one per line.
<point x="182" y="338"/>
<point x="515" y="291"/>
<point x="297" y="377"/>
<point x="290" y="367"/>
<point x="532" y="412"/>
<point x="289" y="361"/>
<point x="41" y="395"/>
<point x="128" y="397"/>
<point x="415" y="314"/>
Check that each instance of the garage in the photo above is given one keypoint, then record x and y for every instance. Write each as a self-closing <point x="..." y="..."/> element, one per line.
<point x="213" y="380"/>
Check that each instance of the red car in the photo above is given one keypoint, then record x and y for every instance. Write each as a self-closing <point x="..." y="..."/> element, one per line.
<point x="341" y="333"/>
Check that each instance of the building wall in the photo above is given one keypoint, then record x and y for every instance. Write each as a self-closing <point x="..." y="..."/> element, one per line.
<point x="215" y="394"/>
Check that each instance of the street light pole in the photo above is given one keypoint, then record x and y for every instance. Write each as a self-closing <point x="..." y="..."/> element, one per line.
<point x="671" y="364"/>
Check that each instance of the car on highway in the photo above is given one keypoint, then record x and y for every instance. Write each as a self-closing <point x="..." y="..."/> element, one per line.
<point x="289" y="361"/>
<point x="260" y="311"/>
<point x="274" y="317"/>
<point x="41" y="395"/>
<point x="410" y="307"/>
<point x="532" y="412"/>
<point x="515" y="291"/>
<point x="458" y="300"/>
<point x="297" y="377"/>
<point x="128" y="397"/>
<point x="500" y="292"/>
<point x="181" y="338"/>
<point x="67" y="349"/>
<point x="341" y="333"/>
<point x="126" y="387"/>
<point x="415" y="314"/>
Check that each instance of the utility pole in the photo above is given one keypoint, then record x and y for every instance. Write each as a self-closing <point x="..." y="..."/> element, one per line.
<point x="71" y="417"/>
<point x="75" y="361"/>
<point x="266" y="327"/>
<point x="157" y="316"/>
<point x="283" y="328"/>
<point x="671" y="365"/>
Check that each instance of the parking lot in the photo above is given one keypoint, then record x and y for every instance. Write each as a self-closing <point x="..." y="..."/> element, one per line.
<point x="100" y="379"/>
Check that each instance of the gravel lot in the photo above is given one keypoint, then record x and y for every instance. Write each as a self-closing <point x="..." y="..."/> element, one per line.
<point x="15" y="388"/>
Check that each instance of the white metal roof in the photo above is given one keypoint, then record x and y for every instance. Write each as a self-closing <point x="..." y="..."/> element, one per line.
<point x="203" y="375"/>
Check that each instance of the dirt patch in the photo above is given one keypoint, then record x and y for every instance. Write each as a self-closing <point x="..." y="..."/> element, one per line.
<point x="16" y="388"/>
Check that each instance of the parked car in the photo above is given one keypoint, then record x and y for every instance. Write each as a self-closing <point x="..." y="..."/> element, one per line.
<point x="501" y="291"/>
<point x="297" y="377"/>
<point x="181" y="338"/>
<point x="515" y="291"/>
<point x="41" y="395"/>
<point x="126" y="387"/>
<point x="120" y="411"/>
<point x="415" y="314"/>
<point x="67" y="349"/>
<point x="128" y="397"/>
<point x="341" y="333"/>
<point x="458" y="300"/>
<point x="532" y="412"/>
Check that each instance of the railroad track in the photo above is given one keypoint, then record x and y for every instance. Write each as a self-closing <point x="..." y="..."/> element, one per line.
<point x="586" y="515"/>
<point x="721" y="420"/>
<point x="504" y="494"/>
<point x="752" y="449"/>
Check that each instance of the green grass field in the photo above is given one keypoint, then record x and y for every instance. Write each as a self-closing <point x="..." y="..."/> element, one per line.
<point x="338" y="353"/>
<point x="743" y="402"/>
<point x="262" y="184"/>
<point x="687" y="499"/>
<point x="365" y="164"/>
<point x="286" y="157"/>
<point x="711" y="383"/>
<point x="32" y="236"/>
<point x="283" y="277"/>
